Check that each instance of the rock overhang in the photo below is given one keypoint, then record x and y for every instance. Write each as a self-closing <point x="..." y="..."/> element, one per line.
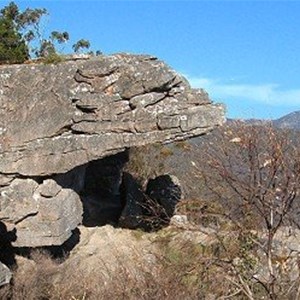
<point x="56" y="119"/>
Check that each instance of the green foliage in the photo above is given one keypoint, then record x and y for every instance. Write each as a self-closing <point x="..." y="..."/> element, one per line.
<point x="13" y="48"/>
<point x="60" y="37"/>
<point x="30" y="18"/>
<point x="80" y="45"/>
<point x="53" y="58"/>
<point x="17" y="30"/>
<point x="48" y="48"/>
<point x="21" y="36"/>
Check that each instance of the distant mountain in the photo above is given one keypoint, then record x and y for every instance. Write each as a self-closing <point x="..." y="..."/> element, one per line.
<point x="258" y="122"/>
<point x="291" y="121"/>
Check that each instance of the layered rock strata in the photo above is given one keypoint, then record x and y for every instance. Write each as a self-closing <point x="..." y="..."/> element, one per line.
<point x="55" y="119"/>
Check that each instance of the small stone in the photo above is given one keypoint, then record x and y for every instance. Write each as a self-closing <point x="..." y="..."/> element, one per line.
<point x="5" y="275"/>
<point x="49" y="188"/>
<point x="179" y="221"/>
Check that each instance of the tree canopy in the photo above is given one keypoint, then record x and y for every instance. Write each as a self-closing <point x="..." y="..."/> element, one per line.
<point x="13" y="47"/>
<point x="21" y="37"/>
<point x="80" y="45"/>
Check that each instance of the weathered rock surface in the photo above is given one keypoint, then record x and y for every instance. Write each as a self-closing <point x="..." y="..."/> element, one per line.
<point x="150" y="209"/>
<point x="42" y="214"/>
<point x="55" y="119"/>
<point x="166" y="190"/>
<point x="133" y="214"/>
<point x="5" y="274"/>
<point x="107" y="250"/>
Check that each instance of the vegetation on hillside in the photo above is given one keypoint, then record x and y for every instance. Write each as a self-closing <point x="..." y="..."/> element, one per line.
<point x="247" y="181"/>
<point x="253" y="172"/>
<point x="13" y="47"/>
<point x="237" y="244"/>
<point x="21" y="36"/>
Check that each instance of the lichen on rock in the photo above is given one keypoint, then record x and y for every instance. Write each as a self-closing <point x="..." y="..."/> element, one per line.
<point x="56" y="118"/>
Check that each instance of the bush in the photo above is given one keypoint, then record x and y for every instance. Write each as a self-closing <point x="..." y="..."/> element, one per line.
<point x="254" y="173"/>
<point x="13" y="48"/>
<point x="21" y="37"/>
<point x="53" y="58"/>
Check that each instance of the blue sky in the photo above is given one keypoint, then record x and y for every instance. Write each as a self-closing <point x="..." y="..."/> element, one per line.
<point x="246" y="54"/>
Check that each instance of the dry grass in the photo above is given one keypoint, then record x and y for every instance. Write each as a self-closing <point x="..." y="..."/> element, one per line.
<point x="46" y="279"/>
<point x="182" y="271"/>
<point x="147" y="162"/>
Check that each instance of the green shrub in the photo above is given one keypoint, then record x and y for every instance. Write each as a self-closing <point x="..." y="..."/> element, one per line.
<point x="21" y="37"/>
<point x="13" y="48"/>
<point x="53" y="58"/>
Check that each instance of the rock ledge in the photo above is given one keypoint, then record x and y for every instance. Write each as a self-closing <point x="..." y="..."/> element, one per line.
<point x="58" y="118"/>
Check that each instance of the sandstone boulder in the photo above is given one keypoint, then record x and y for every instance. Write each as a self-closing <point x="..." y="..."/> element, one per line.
<point x="42" y="214"/>
<point x="57" y="119"/>
<point x="133" y="214"/>
<point x="5" y="274"/>
<point x="150" y="209"/>
<point x="166" y="190"/>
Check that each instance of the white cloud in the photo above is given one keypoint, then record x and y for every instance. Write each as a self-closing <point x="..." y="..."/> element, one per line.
<point x="271" y="94"/>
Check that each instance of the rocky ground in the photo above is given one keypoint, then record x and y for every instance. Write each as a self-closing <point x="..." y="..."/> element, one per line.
<point x="114" y="262"/>
<point x="226" y="188"/>
<point x="182" y="261"/>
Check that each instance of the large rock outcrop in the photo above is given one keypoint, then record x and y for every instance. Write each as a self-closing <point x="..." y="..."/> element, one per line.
<point x="55" y="119"/>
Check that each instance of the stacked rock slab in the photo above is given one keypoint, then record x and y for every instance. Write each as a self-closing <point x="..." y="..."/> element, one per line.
<point x="54" y="118"/>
